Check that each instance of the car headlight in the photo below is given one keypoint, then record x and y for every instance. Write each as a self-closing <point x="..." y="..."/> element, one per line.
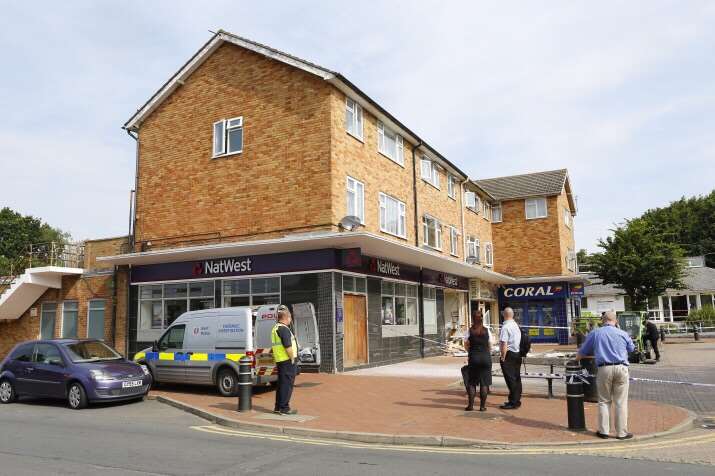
<point x="145" y="369"/>
<point x="100" y="375"/>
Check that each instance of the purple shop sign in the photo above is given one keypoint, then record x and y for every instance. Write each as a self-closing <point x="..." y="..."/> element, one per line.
<point x="352" y="260"/>
<point x="444" y="280"/>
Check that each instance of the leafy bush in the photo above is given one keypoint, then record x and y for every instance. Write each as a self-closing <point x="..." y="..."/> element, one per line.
<point x="704" y="315"/>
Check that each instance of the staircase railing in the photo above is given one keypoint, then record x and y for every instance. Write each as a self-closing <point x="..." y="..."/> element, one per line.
<point x="68" y="255"/>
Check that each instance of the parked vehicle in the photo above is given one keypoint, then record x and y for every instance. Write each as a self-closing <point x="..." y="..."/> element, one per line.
<point x="80" y="371"/>
<point x="204" y="347"/>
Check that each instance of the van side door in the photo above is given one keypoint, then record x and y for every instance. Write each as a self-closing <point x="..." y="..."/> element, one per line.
<point x="305" y="328"/>
<point x="170" y="366"/>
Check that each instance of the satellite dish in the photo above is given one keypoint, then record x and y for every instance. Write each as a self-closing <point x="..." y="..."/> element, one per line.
<point x="350" y="223"/>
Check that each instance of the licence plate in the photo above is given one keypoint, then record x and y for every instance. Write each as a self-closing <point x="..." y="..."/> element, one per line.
<point x="132" y="383"/>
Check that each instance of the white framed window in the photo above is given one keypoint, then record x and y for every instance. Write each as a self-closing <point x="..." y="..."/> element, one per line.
<point x="473" y="250"/>
<point x="535" y="208"/>
<point x="430" y="172"/>
<point x="471" y="201"/>
<point x="496" y="213"/>
<point x="488" y="254"/>
<point x="390" y="144"/>
<point x="353" y="118"/>
<point x="251" y="291"/>
<point x="392" y="216"/>
<point x="432" y="232"/>
<point x="571" y="260"/>
<point x="453" y="241"/>
<point x="95" y="319"/>
<point x="487" y="210"/>
<point x="452" y="186"/>
<point x="355" y="198"/>
<point x="567" y="218"/>
<point x="228" y="137"/>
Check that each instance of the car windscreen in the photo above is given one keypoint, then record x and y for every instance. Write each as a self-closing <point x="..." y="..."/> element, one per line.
<point x="91" y="351"/>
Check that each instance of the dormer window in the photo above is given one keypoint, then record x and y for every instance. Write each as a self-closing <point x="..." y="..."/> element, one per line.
<point x="228" y="137"/>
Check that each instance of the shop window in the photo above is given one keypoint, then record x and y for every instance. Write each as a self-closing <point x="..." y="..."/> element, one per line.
<point x="355" y="198"/>
<point x="431" y="232"/>
<point x="535" y="208"/>
<point x="228" y="137"/>
<point x="452" y="186"/>
<point x="429" y="304"/>
<point x="430" y="171"/>
<point x="353" y="284"/>
<point x="353" y="118"/>
<point x="392" y="216"/>
<point x="399" y="306"/>
<point x="70" y="312"/>
<point x="389" y="144"/>
<point x="496" y="213"/>
<point x="251" y="292"/>
<point x="160" y="305"/>
<point x="584" y="303"/>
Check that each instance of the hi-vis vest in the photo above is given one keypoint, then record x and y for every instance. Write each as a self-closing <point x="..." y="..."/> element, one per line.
<point x="279" y="352"/>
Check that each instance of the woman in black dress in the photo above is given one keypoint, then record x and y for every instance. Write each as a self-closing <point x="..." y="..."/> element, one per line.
<point x="476" y="342"/>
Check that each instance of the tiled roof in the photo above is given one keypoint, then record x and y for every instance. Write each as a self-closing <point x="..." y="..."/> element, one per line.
<point x="526" y="185"/>
<point x="699" y="279"/>
<point x="598" y="288"/>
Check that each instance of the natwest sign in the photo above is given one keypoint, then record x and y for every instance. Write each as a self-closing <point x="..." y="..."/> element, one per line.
<point x="380" y="266"/>
<point x="223" y="266"/>
<point x="546" y="290"/>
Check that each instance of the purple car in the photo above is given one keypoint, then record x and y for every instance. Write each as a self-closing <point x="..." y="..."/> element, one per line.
<point x="80" y="371"/>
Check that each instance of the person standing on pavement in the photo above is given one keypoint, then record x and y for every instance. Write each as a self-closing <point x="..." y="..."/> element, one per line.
<point x="610" y="347"/>
<point x="476" y="342"/>
<point x="510" y="358"/>
<point x="650" y="335"/>
<point x="285" y="351"/>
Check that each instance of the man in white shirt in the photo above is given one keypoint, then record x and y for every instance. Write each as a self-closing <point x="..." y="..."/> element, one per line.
<point x="509" y="340"/>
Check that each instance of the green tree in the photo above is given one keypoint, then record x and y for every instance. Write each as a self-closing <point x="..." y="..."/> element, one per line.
<point x="17" y="232"/>
<point x="584" y="260"/>
<point x="639" y="260"/>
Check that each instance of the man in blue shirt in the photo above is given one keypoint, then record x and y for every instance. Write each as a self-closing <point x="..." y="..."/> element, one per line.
<point x="610" y="346"/>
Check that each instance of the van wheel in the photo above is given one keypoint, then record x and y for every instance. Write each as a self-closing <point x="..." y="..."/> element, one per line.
<point x="227" y="382"/>
<point x="77" y="397"/>
<point x="7" y="392"/>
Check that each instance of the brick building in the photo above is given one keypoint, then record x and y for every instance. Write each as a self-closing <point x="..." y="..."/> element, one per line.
<point x="264" y="178"/>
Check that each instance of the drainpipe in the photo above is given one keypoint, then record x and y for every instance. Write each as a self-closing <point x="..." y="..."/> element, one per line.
<point x="461" y="214"/>
<point x="420" y="297"/>
<point x="132" y="208"/>
<point x="114" y="308"/>
<point x="414" y="191"/>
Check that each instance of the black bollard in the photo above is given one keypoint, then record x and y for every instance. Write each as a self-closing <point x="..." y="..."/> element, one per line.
<point x="245" y="384"/>
<point x="696" y="334"/>
<point x="574" y="396"/>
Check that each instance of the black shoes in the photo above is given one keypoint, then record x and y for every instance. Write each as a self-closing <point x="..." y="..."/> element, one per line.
<point x="469" y="408"/>
<point x="482" y="409"/>
<point x="627" y="436"/>
<point x="510" y="406"/>
<point x="285" y="412"/>
<point x="602" y="435"/>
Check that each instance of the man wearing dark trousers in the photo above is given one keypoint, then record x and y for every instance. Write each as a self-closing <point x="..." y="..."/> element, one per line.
<point x="285" y="350"/>
<point x="509" y="340"/>
<point x="651" y="336"/>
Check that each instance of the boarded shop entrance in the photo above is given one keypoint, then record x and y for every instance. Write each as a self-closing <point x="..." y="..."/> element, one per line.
<point x="355" y="330"/>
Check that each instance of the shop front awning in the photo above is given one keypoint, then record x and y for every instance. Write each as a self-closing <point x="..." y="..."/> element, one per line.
<point x="369" y="244"/>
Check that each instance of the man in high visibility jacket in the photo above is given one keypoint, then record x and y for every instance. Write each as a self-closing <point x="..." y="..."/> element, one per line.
<point x="285" y="351"/>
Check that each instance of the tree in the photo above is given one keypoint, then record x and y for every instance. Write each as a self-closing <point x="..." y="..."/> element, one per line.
<point x="584" y="260"/>
<point x="639" y="260"/>
<point x="17" y="232"/>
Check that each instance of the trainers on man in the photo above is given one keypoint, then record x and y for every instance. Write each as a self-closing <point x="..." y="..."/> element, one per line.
<point x="627" y="436"/>
<point x="289" y="412"/>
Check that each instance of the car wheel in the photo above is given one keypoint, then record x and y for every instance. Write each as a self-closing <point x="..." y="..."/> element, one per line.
<point x="77" y="397"/>
<point x="7" y="392"/>
<point x="227" y="383"/>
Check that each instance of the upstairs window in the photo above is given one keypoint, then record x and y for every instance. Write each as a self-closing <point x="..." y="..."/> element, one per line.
<point x="228" y="136"/>
<point x="473" y="251"/>
<point x="488" y="254"/>
<point x="355" y="198"/>
<point x="392" y="216"/>
<point x="432" y="232"/>
<point x="430" y="172"/>
<point x="353" y="118"/>
<point x="453" y="241"/>
<point x="471" y="201"/>
<point x="452" y="186"/>
<point x="496" y="213"/>
<point x="535" y="208"/>
<point x="487" y="210"/>
<point x="390" y="144"/>
<point x="571" y="260"/>
<point x="567" y="218"/>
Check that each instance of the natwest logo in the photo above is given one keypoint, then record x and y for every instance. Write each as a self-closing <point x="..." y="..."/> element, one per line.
<point x="223" y="266"/>
<point x="384" y="267"/>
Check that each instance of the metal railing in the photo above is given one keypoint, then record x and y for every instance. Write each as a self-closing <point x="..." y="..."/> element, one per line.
<point x="66" y="255"/>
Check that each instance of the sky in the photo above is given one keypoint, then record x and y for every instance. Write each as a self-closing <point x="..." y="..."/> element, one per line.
<point x="622" y="94"/>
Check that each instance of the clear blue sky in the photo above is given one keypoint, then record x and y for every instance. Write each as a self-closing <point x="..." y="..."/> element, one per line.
<point x="620" y="93"/>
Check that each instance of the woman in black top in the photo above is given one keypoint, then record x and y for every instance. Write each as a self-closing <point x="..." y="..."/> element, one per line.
<point x="476" y="342"/>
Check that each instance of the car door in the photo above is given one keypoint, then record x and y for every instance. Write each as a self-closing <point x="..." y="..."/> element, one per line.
<point x="20" y="364"/>
<point x="305" y="327"/>
<point x="48" y="376"/>
<point x="170" y="365"/>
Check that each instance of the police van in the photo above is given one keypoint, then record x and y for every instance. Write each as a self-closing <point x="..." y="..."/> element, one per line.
<point x="204" y="347"/>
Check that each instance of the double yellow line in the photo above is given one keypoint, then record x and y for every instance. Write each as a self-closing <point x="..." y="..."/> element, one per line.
<point x="536" y="450"/>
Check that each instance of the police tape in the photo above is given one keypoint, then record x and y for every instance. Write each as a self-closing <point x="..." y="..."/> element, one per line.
<point x="183" y="356"/>
<point x="672" y="382"/>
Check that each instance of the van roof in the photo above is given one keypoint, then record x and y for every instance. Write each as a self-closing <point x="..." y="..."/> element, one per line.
<point x="219" y="311"/>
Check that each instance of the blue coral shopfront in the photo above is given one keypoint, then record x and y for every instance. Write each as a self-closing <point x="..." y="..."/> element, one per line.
<point x="542" y="308"/>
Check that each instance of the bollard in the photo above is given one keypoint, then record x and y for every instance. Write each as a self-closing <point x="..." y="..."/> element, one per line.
<point x="574" y="396"/>
<point x="245" y="384"/>
<point x="662" y="334"/>
<point x="696" y="334"/>
<point x="590" y="392"/>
